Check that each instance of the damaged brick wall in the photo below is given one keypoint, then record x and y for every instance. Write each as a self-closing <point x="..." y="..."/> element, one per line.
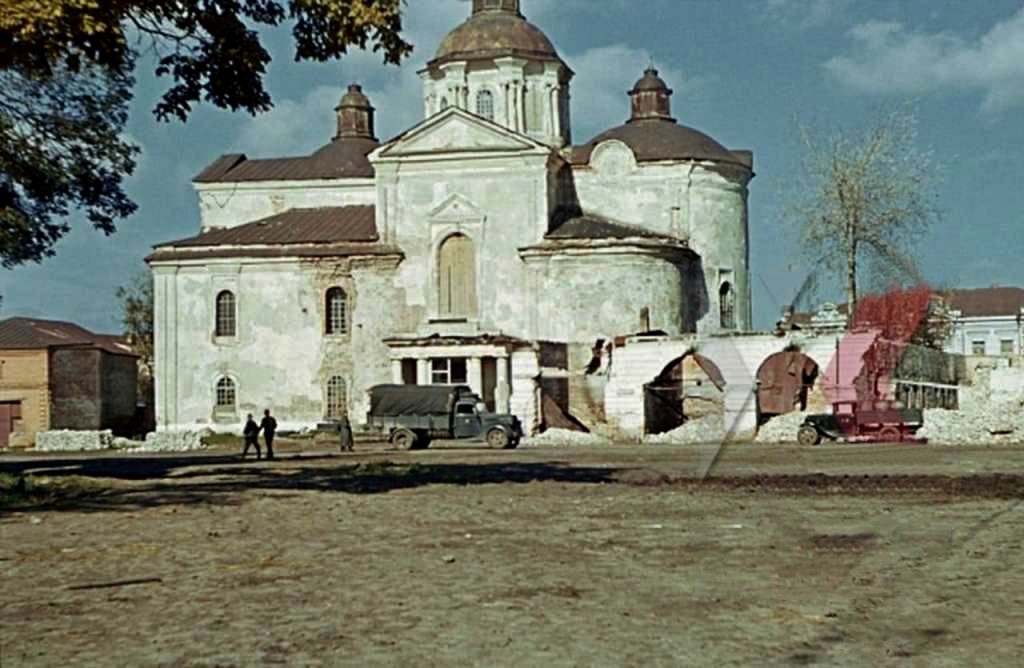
<point x="75" y="390"/>
<point x="119" y="386"/>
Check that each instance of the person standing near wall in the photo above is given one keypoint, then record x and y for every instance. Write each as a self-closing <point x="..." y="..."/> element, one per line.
<point x="269" y="427"/>
<point x="251" y="435"/>
<point x="345" y="432"/>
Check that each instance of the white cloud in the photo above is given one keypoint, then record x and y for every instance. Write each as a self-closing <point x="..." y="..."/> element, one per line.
<point x="889" y="58"/>
<point x="603" y="77"/>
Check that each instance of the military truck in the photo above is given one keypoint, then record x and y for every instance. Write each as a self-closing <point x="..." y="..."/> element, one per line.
<point x="875" y="421"/>
<point x="414" y="415"/>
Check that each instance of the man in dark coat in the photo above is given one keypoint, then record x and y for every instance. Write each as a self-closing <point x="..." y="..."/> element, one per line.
<point x="251" y="435"/>
<point x="345" y="431"/>
<point x="268" y="426"/>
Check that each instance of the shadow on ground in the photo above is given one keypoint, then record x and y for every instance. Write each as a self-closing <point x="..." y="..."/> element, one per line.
<point x="198" y="480"/>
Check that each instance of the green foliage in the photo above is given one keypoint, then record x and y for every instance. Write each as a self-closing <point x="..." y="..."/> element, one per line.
<point x="137" y="317"/>
<point x="61" y="148"/>
<point x="66" y="77"/>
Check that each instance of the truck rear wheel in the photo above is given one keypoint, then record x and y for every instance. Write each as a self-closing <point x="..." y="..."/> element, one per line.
<point x="808" y="435"/>
<point x="403" y="439"/>
<point x="498" y="439"/>
<point x="890" y="435"/>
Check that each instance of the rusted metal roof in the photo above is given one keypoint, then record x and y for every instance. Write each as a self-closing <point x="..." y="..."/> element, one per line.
<point x="36" y="333"/>
<point x="653" y="139"/>
<point x="994" y="301"/>
<point x="596" y="227"/>
<point x="296" y="226"/>
<point x="293" y="251"/>
<point x="343" y="158"/>
<point x="493" y="34"/>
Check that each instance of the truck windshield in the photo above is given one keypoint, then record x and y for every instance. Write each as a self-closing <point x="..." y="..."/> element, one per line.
<point x="464" y="409"/>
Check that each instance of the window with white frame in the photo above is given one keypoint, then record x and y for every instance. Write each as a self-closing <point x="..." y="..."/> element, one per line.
<point x="336" y="311"/>
<point x="226" y="395"/>
<point x="1006" y="347"/>
<point x="449" y="371"/>
<point x="977" y="347"/>
<point x="226" y="321"/>
<point x="485" y="104"/>
<point x="337" y="398"/>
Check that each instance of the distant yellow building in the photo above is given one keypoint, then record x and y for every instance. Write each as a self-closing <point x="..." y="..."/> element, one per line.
<point x="57" y="375"/>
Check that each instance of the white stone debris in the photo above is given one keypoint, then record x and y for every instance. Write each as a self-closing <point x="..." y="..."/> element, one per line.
<point x="66" y="440"/>
<point x="172" y="441"/>
<point x="781" y="429"/>
<point x="976" y="424"/>
<point x="557" y="437"/>
<point x="707" y="429"/>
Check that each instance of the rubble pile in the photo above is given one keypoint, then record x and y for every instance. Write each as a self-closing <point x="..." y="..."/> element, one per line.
<point x="555" y="437"/>
<point x="65" y="440"/>
<point x="975" y="424"/>
<point x="708" y="429"/>
<point x="172" y="441"/>
<point x="781" y="428"/>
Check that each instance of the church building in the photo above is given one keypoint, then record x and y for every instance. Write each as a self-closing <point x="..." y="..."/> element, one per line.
<point x="481" y="246"/>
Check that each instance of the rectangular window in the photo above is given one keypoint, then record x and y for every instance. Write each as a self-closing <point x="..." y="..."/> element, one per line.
<point x="1006" y="347"/>
<point x="977" y="347"/>
<point x="409" y="372"/>
<point x="449" y="371"/>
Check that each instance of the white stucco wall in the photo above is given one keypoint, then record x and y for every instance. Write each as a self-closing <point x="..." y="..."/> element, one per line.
<point x="694" y="201"/>
<point x="991" y="331"/>
<point x="224" y="205"/>
<point x="582" y="296"/>
<point x="280" y="358"/>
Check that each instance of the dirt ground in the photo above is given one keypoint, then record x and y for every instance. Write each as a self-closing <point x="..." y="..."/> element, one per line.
<point x="840" y="555"/>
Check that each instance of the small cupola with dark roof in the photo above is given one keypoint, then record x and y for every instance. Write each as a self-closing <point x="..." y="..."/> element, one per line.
<point x="651" y="98"/>
<point x="510" y="6"/>
<point x="355" y="115"/>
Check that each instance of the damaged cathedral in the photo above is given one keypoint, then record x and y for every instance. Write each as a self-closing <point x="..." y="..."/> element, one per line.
<point x="481" y="246"/>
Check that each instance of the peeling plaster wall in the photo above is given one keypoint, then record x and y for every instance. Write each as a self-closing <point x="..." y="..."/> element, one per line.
<point x="581" y="298"/>
<point x="281" y="358"/>
<point x="224" y="205"/>
<point x="700" y="202"/>
<point x="500" y="204"/>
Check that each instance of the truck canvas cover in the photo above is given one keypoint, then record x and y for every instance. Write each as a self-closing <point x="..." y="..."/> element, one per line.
<point x="395" y="400"/>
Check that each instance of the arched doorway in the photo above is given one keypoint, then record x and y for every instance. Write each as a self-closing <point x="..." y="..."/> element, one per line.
<point x="690" y="386"/>
<point x="784" y="382"/>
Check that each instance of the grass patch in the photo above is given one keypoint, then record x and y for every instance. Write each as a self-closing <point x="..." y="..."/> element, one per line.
<point x="20" y="492"/>
<point x="222" y="440"/>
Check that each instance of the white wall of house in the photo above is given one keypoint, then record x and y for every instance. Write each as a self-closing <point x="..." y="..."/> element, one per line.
<point x="1001" y="336"/>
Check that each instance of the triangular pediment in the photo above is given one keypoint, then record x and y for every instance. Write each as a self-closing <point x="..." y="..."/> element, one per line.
<point x="457" y="131"/>
<point x="456" y="208"/>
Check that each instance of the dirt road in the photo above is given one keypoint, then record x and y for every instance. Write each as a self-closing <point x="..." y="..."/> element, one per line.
<point x="854" y="555"/>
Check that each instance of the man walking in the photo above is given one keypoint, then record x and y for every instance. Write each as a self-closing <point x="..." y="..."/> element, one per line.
<point x="269" y="426"/>
<point x="251" y="435"/>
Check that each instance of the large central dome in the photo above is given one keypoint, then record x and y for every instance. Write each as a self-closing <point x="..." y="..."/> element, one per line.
<point x="496" y="29"/>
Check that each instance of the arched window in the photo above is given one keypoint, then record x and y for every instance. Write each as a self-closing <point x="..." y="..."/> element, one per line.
<point x="337" y="398"/>
<point x="337" y="311"/>
<point x="226" y="324"/>
<point x="457" y="277"/>
<point x="485" y="104"/>
<point x="226" y="394"/>
<point x="727" y="306"/>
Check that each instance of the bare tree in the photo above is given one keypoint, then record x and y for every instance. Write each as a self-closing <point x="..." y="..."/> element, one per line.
<point x="864" y="197"/>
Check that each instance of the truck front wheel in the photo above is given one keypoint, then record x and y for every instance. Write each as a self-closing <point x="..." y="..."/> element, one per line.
<point x="808" y="435"/>
<point x="498" y="439"/>
<point x="403" y="439"/>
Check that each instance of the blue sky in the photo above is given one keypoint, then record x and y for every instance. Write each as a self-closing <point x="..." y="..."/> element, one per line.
<point x="743" y="70"/>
